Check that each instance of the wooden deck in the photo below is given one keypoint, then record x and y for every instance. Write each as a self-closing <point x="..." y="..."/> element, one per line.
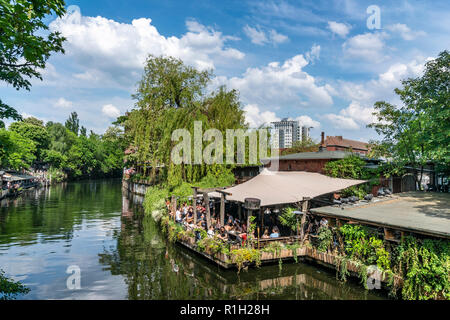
<point x="426" y="213"/>
<point x="304" y="253"/>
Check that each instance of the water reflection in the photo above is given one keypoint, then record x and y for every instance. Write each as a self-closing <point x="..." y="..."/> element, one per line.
<point x="123" y="255"/>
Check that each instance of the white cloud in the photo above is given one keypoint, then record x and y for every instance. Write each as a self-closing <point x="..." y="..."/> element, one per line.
<point x="308" y="122"/>
<point x="280" y="85"/>
<point x="110" y="111"/>
<point x="276" y="37"/>
<point x="256" y="36"/>
<point x="367" y="46"/>
<point x="105" y="48"/>
<point x="404" y="31"/>
<point x="362" y="96"/>
<point x="313" y="54"/>
<point x="341" y="29"/>
<point x="63" y="103"/>
<point x="342" y="122"/>
<point x="255" y="117"/>
<point x="259" y="37"/>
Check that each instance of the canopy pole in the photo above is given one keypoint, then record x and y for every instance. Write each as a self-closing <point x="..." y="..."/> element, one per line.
<point x="194" y="204"/>
<point x="305" y="206"/>
<point x="222" y="209"/>
<point x="174" y="206"/>
<point x="208" y="213"/>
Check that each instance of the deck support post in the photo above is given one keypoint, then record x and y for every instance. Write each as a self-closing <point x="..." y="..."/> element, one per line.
<point x="305" y="206"/>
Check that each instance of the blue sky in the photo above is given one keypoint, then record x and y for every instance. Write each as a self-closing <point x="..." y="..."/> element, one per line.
<point x="316" y="61"/>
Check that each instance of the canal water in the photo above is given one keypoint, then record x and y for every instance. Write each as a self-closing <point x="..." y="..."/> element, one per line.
<point x="50" y="236"/>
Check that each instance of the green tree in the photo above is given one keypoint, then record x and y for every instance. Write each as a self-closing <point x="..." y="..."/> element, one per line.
<point x="73" y="123"/>
<point x="419" y="130"/>
<point x="61" y="139"/>
<point x="308" y="145"/>
<point x="16" y="151"/>
<point x="170" y="96"/>
<point x="24" y="50"/>
<point x="36" y="132"/>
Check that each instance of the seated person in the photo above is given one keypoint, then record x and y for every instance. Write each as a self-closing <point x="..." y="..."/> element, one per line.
<point x="178" y="217"/>
<point x="275" y="232"/>
<point x="229" y="226"/>
<point x="223" y="234"/>
<point x="229" y="219"/>
<point x="190" y="216"/>
<point x="323" y="222"/>
<point x="266" y="234"/>
<point x="211" y="231"/>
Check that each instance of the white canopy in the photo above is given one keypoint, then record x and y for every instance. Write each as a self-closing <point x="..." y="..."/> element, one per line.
<point x="282" y="187"/>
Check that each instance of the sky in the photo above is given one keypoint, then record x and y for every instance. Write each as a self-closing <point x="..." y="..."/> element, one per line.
<point x="323" y="63"/>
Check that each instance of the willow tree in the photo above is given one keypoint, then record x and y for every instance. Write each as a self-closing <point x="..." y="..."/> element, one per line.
<point x="170" y="96"/>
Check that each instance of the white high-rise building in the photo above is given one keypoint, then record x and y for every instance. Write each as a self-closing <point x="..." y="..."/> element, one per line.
<point x="288" y="132"/>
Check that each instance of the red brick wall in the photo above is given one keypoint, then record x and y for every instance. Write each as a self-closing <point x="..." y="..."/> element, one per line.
<point x="303" y="165"/>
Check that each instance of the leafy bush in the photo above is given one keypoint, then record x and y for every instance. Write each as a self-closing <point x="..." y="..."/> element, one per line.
<point x="325" y="236"/>
<point x="9" y="288"/>
<point x="425" y="268"/>
<point x="245" y="255"/>
<point x="289" y="219"/>
<point x="154" y="200"/>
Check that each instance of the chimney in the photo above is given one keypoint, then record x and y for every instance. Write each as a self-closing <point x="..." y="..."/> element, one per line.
<point x="322" y="142"/>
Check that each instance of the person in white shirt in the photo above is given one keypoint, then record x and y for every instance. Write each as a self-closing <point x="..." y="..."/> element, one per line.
<point x="178" y="217"/>
<point x="211" y="232"/>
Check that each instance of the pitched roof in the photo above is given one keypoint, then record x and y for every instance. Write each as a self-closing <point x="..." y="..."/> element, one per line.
<point x="284" y="187"/>
<point x="325" y="154"/>
<point x="347" y="143"/>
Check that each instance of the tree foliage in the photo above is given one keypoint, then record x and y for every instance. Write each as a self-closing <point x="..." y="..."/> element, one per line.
<point x="308" y="145"/>
<point x="170" y="96"/>
<point x="419" y="130"/>
<point x="31" y="142"/>
<point x="25" y="43"/>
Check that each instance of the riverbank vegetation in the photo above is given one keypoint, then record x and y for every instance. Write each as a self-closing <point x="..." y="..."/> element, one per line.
<point x="66" y="151"/>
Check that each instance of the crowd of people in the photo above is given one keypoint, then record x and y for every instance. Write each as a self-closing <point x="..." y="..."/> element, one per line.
<point x="232" y="230"/>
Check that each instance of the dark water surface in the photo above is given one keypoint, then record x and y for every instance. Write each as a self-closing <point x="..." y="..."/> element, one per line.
<point x="122" y="255"/>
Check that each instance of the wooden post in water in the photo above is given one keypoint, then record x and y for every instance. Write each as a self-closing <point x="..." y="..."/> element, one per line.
<point x="208" y="213"/>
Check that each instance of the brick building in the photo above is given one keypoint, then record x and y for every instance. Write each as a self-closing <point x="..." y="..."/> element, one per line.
<point x="308" y="161"/>
<point x="338" y="143"/>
